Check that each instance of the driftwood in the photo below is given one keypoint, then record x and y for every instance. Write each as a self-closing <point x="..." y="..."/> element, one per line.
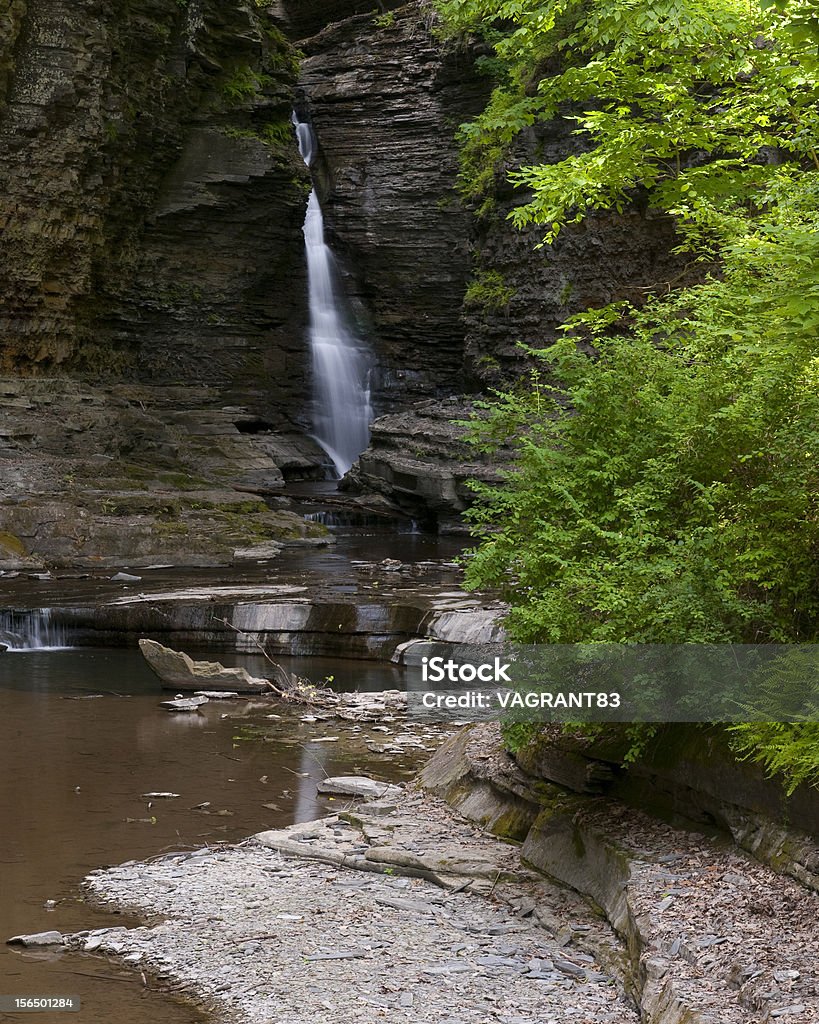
<point x="285" y="686"/>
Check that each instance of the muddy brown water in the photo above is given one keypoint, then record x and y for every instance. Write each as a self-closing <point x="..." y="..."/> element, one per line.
<point x="83" y="738"/>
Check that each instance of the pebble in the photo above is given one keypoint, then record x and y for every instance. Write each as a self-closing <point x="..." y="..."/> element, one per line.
<point x="384" y="946"/>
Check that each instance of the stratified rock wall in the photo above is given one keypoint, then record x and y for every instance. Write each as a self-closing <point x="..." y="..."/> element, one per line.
<point x="151" y="196"/>
<point x="606" y="258"/>
<point x="385" y="97"/>
<point x="307" y="17"/>
<point x="151" y="252"/>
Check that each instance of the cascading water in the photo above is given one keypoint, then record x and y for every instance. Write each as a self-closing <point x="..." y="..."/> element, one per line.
<point x="32" y="630"/>
<point x="341" y="392"/>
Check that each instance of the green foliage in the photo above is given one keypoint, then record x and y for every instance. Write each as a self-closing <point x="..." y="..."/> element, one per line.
<point x="274" y="134"/>
<point x="243" y="83"/>
<point x="489" y="291"/>
<point x="678" y="101"/>
<point x="664" y="488"/>
<point x="679" y="502"/>
<point x="386" y="20"/>
<point x="517" y="735"/>
<point x="283" y="58"/>
<point x="785" y="749"/>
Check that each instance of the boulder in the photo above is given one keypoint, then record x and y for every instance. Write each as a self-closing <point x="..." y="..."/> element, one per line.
<point x="177" y="671"/>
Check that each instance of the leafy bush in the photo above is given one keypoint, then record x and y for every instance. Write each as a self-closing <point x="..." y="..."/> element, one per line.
<point x="665" y="486"/>
<point x="489" y="291"/>
<point x="678" y="501"/>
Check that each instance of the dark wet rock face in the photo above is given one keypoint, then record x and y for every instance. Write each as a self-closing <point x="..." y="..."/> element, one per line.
<point x="151" y="196"/>
<point x="385" y="98"/>
<point x="305" y="18"/>
<point x="608" y="257"/>
<point x="420" y="461"/>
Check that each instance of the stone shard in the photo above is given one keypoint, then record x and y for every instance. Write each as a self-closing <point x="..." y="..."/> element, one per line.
<point x="184" y="704"/>
<point x="37" y="939"/>
<point x="358" y="786"/>
<point x="177" y="671"/>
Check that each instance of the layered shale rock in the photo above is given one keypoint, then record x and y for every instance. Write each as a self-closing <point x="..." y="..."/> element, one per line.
<point x="152" y="281"/>
<point x="420" y="461"/>
<point x="518" y="294"/>
<point x="151" y="205"/>
<point x="94" y="477"/>
<point x="385" y="96"/>
<point x="152" y="196"/>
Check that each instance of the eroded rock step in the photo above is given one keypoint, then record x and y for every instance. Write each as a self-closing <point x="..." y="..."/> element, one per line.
<point x="361" y="609"/>
<point x="714" y="936"/>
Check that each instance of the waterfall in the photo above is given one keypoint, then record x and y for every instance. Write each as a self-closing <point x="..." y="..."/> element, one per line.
<point x="340" y="363"/>
<point x="31" y="630"/>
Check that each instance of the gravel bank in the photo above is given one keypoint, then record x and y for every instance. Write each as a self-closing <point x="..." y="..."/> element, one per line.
<point x="394" y="911"/>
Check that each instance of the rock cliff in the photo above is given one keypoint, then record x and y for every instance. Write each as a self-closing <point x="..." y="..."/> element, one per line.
<point x="151" y="196"/>
<point x="151" y="253"/>
<point x="519" y="294"/>
<point x="385" y="97"/>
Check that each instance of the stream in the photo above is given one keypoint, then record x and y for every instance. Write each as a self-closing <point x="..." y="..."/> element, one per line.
<point x="83" y="738"/>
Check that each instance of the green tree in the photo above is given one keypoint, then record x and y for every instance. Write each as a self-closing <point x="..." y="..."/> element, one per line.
<point x="665" y="487"/>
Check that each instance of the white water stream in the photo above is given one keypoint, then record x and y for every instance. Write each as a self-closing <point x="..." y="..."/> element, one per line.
<point x="340" y="361"/>
<point x="31" y="630"/>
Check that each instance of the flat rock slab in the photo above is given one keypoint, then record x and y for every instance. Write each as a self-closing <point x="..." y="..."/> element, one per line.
<point x="177" y="671"/>
<point x="37" y="939"/>
<point x="265" y="936"/>
<point x="184" y="703"/>
<point x="358" y="785"/>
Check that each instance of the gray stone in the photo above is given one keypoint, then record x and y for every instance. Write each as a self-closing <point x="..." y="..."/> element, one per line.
<point x="453" y="967"/>
<point x="184" y="704"/>
<point x="338" y="954"/>
<point x="125" y="577"/>
<point x="177" y="671"/>
<point x="37" y="939"/>
<point x="358" y="786"/>
<point x="491" y="960"/>
<point x="567" y="967"/>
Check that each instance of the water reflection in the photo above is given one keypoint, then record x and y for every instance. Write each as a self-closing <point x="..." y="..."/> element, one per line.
<point x="83" y="738"/>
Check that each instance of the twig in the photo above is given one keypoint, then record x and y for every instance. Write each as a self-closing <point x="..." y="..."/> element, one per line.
<point x="260" y="648"/>
<point x="309" y="755"/>
<point x="290" y="686"/>
<point x="101" y="977"/>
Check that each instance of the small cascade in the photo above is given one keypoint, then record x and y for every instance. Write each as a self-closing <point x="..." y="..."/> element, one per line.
<point x="340" y="361"/>
<point x="31" y="630"/>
